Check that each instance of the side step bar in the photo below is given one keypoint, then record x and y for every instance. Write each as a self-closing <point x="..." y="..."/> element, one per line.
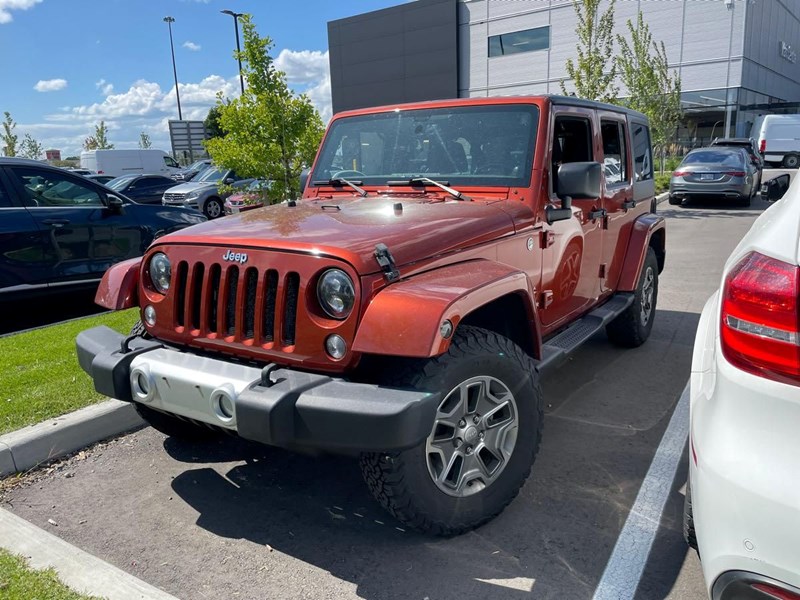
<point x="556" y="350"/>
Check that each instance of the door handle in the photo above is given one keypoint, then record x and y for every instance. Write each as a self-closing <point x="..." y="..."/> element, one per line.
<point x="597" y="213"/>
<point x="629" y="204"/>
<point x="56" y="222"/>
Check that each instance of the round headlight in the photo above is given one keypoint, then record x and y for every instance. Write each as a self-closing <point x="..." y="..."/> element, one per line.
<point x="160" y="272"/>
<point x="336" y="293"/>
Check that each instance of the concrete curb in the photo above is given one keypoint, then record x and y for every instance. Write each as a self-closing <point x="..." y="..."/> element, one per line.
<point x="28" y="447"/>
<point x="662" y="197"/>
<point x="78" y="569"/>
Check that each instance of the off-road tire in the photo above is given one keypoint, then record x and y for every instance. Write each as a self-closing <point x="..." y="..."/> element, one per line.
<point x="167" y="424"/>
<point x="628" y="329"/>
<point x="401" y="481"/>
<point x="674" y="201"/>
<point x="688" y="519"/>
<point x="213" y="208"/>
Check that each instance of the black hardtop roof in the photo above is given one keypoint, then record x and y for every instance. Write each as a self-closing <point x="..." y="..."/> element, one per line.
<point x="581" y="102"/>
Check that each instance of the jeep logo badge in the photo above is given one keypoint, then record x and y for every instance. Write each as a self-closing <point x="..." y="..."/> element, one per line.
<point x="240" y="257"/>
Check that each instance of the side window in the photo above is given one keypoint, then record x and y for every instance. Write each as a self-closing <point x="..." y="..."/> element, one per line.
<point x="642" y="157"/>
<point x="170" y="162"/>
<point x="572" y="142"/>
<point x="615" y="156"/>
<point x="48" y="188"/>
<point x="5" y="199"/>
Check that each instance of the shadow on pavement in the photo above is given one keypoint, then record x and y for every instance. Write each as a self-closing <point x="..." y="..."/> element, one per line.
<point x="18" y="315"/>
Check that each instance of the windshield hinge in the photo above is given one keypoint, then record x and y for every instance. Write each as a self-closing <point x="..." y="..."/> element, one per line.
<point x="386" y="263"/>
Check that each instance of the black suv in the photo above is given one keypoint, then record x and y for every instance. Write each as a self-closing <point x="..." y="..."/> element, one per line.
<point x="59" y="230"/>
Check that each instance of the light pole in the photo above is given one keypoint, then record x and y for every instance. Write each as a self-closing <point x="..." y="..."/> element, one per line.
<point x="236" y="16"/>
<point x="169" y="21"/>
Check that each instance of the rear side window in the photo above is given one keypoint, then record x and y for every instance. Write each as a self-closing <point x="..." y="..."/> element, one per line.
<point x="642" y="154"/>
<point x="615" y="152"/>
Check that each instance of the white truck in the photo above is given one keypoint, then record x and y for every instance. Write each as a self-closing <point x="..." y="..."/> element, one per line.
<point x="778" y="138"/>
<point x="125" y="162"/>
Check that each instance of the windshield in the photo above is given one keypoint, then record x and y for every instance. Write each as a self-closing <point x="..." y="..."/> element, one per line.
<point x="717" y="157"/>
<point x="197" y="165"/>
<point x="466" y="145"/>
<point x="211" y="174"/>
<point x="120" y="182"/>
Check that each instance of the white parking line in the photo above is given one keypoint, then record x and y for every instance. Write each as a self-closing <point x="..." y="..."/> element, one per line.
<point x="627" y="562"/>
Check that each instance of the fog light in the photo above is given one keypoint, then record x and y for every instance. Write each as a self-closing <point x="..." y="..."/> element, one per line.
<point x="336" y="346"/>
<point x="142" y="384"/>
<point x="150" y="315"/>
<point x="226" y="407"/>
<point x="223" y="404"/>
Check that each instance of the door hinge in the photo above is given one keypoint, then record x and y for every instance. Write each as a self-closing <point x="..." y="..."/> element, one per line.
<point x="548" y="239"/>
<point x="545" y="298"/>
<point x="386" y="263"/>
<point x="602" y="271"/>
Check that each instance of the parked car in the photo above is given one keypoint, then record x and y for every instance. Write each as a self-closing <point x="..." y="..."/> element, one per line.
<point x="742" y="512"/>
<point x="192" y="170"/>
<point x="751" y="147"/>
<point x="718" y="172"/>
<point x="203" y="192"/>
<point x="84" y="172"/>
<point x="144" y="189"/>
<point x="253" y="195"/>
<point x="129" y="162"/>
<point x="778" y="139"/>
<point x="104" y="179"/>
<point x="61" y="230"/>
<point x="389" y="315"/>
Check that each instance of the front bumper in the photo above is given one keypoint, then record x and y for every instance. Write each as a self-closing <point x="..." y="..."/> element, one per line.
<point x="275" y="406"/>
<point x="742" y="467"/>
<point x="184" y="203"/>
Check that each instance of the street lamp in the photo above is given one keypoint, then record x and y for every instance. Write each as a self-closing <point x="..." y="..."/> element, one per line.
<point x="169" y="21"/>
<point x="236" y="16"/>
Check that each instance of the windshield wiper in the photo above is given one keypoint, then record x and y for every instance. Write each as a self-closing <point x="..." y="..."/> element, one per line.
<point x="341" y="180"/>
<point x="428" y="181"/>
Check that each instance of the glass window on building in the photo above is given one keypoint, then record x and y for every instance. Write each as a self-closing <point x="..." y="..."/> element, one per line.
<point x="528" y="40"/>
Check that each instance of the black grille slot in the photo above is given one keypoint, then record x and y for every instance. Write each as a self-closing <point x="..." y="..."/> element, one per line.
<point x="197" y="294"/>
<point x="230" y="300"/>
<point x="290" y="308"/>
<point x="270" y="294"/>
<point x="215" y="274"/>
<point x="251" y="287"/>
<point x="180" y="294"/>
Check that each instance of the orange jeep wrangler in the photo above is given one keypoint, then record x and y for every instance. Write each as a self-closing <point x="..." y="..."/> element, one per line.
<point x="442" y="256"/>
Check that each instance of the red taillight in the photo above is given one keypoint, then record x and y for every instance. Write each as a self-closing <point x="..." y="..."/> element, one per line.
<point x="775" y="592"/>
<point x="680" y="173"/>
<point x="762" y="146"/>
<point x="100" y="172"/>
<point x="735" y="173"/>
<point x="760" y="329"/>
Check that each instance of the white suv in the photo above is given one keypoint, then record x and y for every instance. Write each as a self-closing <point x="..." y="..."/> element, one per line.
<point x="743" y="499"/>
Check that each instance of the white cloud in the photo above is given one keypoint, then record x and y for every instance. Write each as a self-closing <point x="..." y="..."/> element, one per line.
<point x="6" y="6"/>
<point x="191" y="46"/>
<point x="104" y="87"/>
<point x="308" y="71"/>
<point x="50" y="85"/>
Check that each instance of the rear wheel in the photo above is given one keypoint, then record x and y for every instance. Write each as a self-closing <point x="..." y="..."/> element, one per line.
<point x="482" y="443"/>
<point x="675" y="201"/>
<point x="632" y="327"/>
<point x="213" y="208"/>
<point x="791" y="161"/>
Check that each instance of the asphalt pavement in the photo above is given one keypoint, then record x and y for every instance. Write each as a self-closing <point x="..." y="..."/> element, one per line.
<point x="232" y="519"/>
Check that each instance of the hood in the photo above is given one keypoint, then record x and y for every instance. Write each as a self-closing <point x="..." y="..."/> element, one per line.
<point x="191" y="186"/>
<point x="350" y="228"/>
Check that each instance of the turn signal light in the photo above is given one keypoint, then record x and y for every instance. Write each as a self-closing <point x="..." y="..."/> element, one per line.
<point x="760" y="329"/>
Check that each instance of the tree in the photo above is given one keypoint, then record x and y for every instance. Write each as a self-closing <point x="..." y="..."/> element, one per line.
<point x="594" y="71"/>
<point x="212" y="124"/>
<point x="653" y="90"/>
<point x="30" y="148"/>
<point x="144" y="141"/>
<point x="269" y="132"/>
<point x="98" y="141"/>
<point x="8" y="137"/>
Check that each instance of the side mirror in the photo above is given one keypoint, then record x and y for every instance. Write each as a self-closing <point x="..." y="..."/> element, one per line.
<point x="115" y="203"/>
<point x="304" y="179"/>
<point x="230" y="180"/>
<point x="775" y="188"/>
<point x="579" y="180"/>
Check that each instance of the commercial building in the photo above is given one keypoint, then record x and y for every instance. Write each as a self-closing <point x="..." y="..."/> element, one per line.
<point x="736" y="58"/>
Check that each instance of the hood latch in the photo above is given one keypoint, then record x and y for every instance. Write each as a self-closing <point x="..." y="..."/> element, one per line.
<point x="386" y="263"/>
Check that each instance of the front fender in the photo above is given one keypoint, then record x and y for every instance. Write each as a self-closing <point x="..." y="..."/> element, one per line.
<point x="404" y="318"/>
<point x="119" y="286"/>
<point x="649" y="229"/>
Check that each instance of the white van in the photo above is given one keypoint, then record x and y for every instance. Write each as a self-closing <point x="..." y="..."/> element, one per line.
<point x="124" y="162"/>
<point x="778" y="138"/>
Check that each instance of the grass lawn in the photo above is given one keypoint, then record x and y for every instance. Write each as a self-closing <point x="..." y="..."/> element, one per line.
<point x="41" y="375"/>
<point x="19" y="582"/>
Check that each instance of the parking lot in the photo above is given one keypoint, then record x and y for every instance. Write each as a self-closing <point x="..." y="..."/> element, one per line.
<point x="237" y="520"/>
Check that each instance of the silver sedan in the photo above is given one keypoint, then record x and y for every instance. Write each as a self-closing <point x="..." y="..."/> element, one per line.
<point x="725" y="173"/>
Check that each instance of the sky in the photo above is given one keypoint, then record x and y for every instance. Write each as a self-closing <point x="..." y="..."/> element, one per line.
<point x="68" y="64"/>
